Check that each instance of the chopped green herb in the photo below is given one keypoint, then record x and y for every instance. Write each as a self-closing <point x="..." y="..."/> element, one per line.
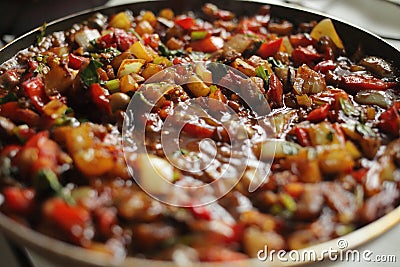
<point x="47" y="181"/>
<point x="90" y="75"/>
<point x="288" y="202"/>
<point x="329" y="136"/>
<point x="184" y="152"/>
<point x="39" y="68"/>
<point x="10" y="97"/>
<point x="170" y="53"/>
<point x="42" y="33"/>
<point x="260" y="72"/>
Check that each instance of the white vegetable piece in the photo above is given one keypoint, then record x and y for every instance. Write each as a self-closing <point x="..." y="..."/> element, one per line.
<point x="84" y="37"/>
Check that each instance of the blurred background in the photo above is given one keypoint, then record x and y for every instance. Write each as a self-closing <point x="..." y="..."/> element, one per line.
<point x="21" y="16"/>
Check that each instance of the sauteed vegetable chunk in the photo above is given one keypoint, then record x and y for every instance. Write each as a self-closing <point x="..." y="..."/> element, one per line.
<point x="327" y="152"/>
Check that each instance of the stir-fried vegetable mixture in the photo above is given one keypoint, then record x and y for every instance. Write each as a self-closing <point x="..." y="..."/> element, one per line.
<point x="335" y="117"/>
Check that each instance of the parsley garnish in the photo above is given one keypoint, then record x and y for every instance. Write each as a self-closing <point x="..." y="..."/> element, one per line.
<point x="90" y="75"/>
<point x="170" y="53"/>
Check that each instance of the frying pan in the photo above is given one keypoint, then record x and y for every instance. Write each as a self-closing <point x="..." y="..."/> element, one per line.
<point x="63" y="254"/>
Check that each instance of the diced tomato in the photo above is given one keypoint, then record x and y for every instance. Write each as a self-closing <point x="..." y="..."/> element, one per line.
<point x="270" y="48"/>
<point x="305" y="55"/>
<point x="107" y="41"/>
<point x="275" y="91"/>
<point x="301" y="39"/>
<point x="185" y="22"/>
<point x="19" y="200"/>
<point x="72" y="220"/>
<point x="47" y="152"/>
<point x="105" y="218"/>
<point x="249" y="25"/>
<point x="12" y="111"/>
<point x="237" y="233"/>
<point x="100" y="98"/>
<point x="302" y="136"/>
<point x="389" y="121"/>
<point x="355" y="83"/>
<point x="118" y="39"/>
<point x="201" y="212"/>
<point x="208" y="44"/>
<point x="123" y="39"/>
<point x="34" y="89"/>
<point x="179" y="60"/>
<point x="359" y="175"/>
<point x="319" y="114"/>
<point x="324" y="66"/>
<point x="152" y="40"/>
<point x="198" y="131"/>
<point x="75" y="62"/>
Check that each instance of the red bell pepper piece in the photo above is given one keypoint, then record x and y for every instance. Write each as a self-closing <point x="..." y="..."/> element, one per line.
<point x="389" y="121"/>
<point x="199" y="131"/>
<point x="208" y="44"/>
<point x="75" y="62"/>
<point x="185" y="22"/>
<point x="107" y="41"/>
<point x="100" y="98"/>
<point x="12" y="111"/>
<point x="251" y="25"/>
<point x="275" y="91"/>
<point x="269" y="48"/>
<point x="201" y="212"/>
<point x="319" y="114"/>
<point x="19" y="200"/>
<point x="48" y="151"/>
<point x="359" y="175"/>
<point x="302" y="136"/>
<point x="72" y="220"/>
<point x="301" y="39"/>
<point x="325" y="66"/>
<point x="355" y="83"/>
<point x="34" y="89"/>
<point x="305" y="55"/>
